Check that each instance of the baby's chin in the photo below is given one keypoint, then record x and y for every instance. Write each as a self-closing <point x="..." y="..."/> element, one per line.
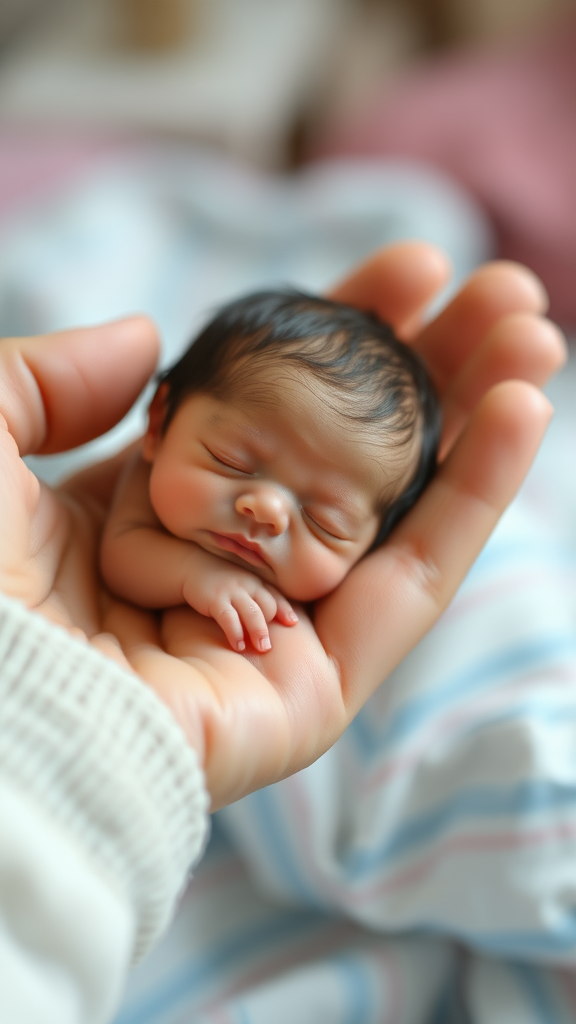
<point x="312" y="590"/>
<point x="301" y="591"/>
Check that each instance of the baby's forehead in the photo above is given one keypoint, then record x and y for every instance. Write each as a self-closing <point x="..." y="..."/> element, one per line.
<point x="281" y="389"/>
<point x="272" y="410"/>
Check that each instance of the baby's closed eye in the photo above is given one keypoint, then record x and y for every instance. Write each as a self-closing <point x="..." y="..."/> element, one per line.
<point x="320" y="522"/>
<point x="229" y="462"/>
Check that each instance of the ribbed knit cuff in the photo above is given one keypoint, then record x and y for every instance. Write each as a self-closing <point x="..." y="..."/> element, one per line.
<point x="105" y="759"/>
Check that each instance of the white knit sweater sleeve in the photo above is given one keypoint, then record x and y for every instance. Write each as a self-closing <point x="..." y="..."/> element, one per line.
<point x="103" y="810"/>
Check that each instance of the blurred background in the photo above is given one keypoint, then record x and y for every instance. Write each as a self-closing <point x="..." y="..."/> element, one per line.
<point x="162" y="155"/>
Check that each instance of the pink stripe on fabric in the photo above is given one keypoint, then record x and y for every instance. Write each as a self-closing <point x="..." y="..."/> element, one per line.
<point x="223" y="1015"/>
<point x="435" y="729"/>
<point x="342" y="935"/>
<point x="351" y="895"/>
<point x="499" y="591"/>
<point x="566" y="978"/>
<point x="215" y="876"/>
<point x="465" y="844"/>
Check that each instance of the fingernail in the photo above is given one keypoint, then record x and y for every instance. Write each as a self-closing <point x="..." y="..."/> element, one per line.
<point x="264" y="644"/>
<point x="293" y="617"/>
<point x="240" y="646"/>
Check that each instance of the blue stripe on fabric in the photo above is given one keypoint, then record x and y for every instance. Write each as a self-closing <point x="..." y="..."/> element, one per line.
<point x="506" y="552"/>
<point x="200" y="973"/>
<point x="358" y="1005"/>
<point x="483" y="675"/>
<point x="275" y="829"/>
<point x="507" y="943"/>
<point x="537" y="709"/>
<point x="520" y="802"/>
<point x="356" y="982"/>
<point x="446" y="1009"/>
<point x="241" y="1014"/>
<point x="531" y="981"/>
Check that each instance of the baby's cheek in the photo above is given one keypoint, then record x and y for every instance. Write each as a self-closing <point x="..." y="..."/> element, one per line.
<point x="178" y="498"/>
<point x="317" y="575"/>
<point x="164" y="495"/>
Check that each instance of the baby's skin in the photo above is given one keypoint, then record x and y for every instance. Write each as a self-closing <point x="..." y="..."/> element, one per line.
<point x="240" y="507"/>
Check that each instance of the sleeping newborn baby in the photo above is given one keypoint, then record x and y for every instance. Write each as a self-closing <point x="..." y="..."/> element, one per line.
<point x="285" y="443"/>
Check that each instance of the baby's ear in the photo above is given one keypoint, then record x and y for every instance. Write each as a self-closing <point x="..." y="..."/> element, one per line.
<point x="156" y="415"/>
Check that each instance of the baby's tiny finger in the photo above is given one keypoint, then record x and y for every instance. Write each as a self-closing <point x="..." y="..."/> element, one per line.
<point x="266" y="600"/>
<point x="255" y="622"/>
<point x="229" y="621"/>
<point x="285" y="613"/>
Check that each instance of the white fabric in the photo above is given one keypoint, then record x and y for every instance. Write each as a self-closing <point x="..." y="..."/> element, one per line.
<point x="102" y="814"/>
<point x="103" y="756"/>
<point x="66" y="933"/>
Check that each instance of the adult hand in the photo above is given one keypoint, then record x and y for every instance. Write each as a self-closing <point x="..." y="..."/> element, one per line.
<point x="255" y="720"/>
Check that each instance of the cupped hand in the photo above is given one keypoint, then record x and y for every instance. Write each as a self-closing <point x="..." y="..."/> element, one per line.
<point x="256" y="719"/>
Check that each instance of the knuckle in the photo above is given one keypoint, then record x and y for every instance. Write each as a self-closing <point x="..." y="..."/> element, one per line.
<point x="227" y="613"/>
<point x="421" y="573"/>
<point x="254" y="611"/>
<point x="265" y="597"/>
<point x="259" y="633"/>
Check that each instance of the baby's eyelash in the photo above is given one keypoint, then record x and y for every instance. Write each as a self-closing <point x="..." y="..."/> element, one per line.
<point x="228" y="465"/>
<point x="320" y="527"/>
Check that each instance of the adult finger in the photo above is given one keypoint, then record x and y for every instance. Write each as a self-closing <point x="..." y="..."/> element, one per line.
<point x="520" y="346"/>
<point x="396" y="594"/>
<point x="396" y="282"/>
<point x="61" y="390"/>
<point x="493" y="291"/>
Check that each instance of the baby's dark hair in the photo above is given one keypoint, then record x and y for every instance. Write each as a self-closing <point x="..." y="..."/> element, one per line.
<point x="375" y="379"/>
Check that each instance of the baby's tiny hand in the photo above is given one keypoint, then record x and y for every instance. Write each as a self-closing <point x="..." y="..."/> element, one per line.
<point x="240" y="601"/>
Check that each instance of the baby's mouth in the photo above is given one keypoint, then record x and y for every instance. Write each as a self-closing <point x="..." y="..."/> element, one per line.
<point x="239" y="545"/>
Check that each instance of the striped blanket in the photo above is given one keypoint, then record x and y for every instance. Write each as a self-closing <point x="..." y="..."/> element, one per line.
<point x="424" y="870"/>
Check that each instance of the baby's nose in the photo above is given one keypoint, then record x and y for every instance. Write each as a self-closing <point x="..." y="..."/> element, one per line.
<point x="267" y="506"/>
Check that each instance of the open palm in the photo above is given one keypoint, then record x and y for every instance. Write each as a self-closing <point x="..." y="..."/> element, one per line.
<point x="256" y="719"/>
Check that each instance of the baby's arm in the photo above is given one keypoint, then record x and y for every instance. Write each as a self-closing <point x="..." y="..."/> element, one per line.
<point x="145" y="564"/>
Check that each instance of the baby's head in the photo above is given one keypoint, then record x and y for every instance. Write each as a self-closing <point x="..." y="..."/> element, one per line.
<point x="290" y="438"/>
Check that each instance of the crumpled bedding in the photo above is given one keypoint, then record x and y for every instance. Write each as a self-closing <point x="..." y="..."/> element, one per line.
<point x="424" y="870"/>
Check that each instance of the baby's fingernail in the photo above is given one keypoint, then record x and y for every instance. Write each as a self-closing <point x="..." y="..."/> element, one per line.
<point x="292" y="616"/>
<point x="264" y="644"/>
<point x="240" y="646"/>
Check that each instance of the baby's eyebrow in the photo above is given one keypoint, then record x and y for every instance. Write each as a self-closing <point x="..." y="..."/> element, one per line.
<point x="243" y="433"/>
<point x="348" y="506"/>
<point x="215" y="419"/>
